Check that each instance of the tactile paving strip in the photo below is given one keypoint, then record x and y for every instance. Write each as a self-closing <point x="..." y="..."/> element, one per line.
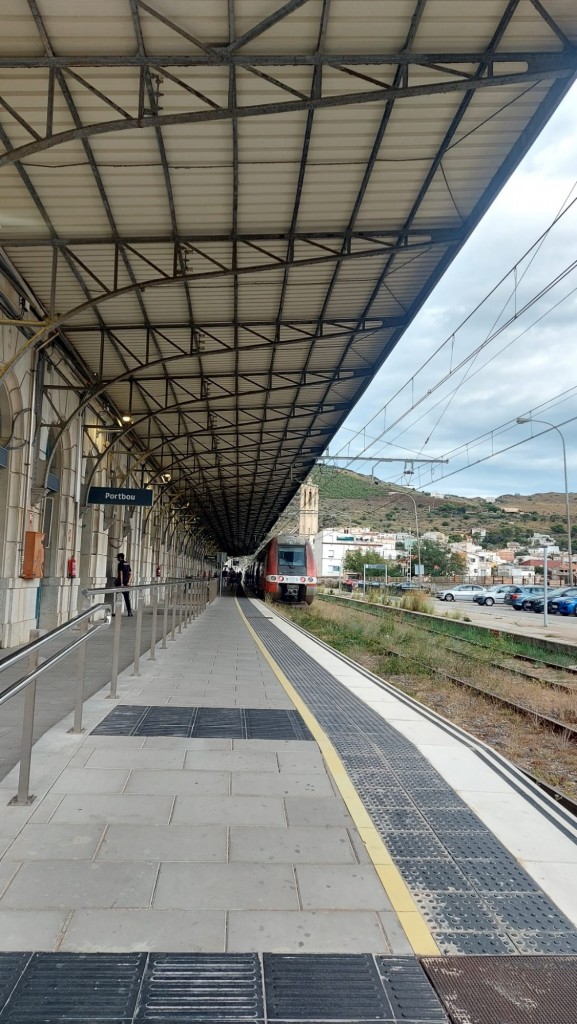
<point x="211" y="723"/>
<point x="243" y="988"/>
<point x="202" y="986"/>
<point x="507" y="990"/>
<point x="471" y="890"/>
<point x="73" y="987"/>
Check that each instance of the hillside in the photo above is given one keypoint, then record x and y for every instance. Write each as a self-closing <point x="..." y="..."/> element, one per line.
<point x="351" y="499"/>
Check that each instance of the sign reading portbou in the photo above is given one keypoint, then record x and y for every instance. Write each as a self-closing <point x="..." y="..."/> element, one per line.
<point x="119" y="496"/>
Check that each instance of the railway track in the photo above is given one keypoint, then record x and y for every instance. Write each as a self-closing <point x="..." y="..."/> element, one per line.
<point x="537" y="663"/>
<point x="552" y="724"/>
<point x="554" y="684"/>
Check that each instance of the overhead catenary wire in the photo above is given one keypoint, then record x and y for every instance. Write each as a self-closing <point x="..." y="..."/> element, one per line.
<point x="532" y="252"/>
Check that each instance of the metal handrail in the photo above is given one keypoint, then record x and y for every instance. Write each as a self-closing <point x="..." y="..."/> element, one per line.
<point x="28" y="684"/>
<point x="189" y="598"/>
<point x="186" y="598"/>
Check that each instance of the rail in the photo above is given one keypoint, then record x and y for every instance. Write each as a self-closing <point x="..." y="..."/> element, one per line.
<point x="184" y="599"/>
<point x="28" y="683"/>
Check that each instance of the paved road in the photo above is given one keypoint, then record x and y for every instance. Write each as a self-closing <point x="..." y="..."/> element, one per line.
<point x="56" y="688"/>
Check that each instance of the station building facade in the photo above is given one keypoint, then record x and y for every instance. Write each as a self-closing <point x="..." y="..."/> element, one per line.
<point x="53" y="444"/>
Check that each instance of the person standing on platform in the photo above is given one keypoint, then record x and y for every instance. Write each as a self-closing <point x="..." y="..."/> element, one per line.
<point x="123" y="578"/>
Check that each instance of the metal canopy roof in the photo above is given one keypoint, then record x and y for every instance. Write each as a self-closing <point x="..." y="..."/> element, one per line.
<point x="231" y="209"/>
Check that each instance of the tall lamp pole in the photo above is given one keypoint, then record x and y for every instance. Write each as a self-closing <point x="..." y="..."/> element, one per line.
<point x="529" y="419"/>
<point x="405" y="494"/>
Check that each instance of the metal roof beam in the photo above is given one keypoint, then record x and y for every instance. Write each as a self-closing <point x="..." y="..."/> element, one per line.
<point x="424" y="235"/>
<point x="215" y="59"/>
<point x="544" y="68"/>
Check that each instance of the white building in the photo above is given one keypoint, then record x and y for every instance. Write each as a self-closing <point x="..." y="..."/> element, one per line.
<point x="330" y="547"/>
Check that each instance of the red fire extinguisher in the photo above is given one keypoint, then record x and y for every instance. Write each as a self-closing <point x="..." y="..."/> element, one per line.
<point x="72" y="568"/>
<point x="159" y="570"/>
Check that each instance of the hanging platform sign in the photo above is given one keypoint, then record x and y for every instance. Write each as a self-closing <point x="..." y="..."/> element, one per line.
<point x="119" y="496"/>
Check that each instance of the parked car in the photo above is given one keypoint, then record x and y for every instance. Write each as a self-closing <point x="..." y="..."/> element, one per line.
<point x="521" y="597"/>
<point x="462" y="592"/>
<point x="494" y="595"/>
<point x="553" y="597"/>
<point x="567" y="606"/>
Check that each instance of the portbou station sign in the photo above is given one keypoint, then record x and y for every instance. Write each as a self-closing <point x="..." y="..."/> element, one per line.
<point x="119" y="496"/>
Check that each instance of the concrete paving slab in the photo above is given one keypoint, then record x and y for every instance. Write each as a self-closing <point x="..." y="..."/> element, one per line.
<point x="276" y="745"/>
<point x="228" y="810"/>
<point x="121" y="931"/>
<point x="157" y="760"/>
<point x="56" y="885"/>
<point x="310" y="760"/>
<point x="340" y="887"/>
<point x="91" y="780"/>
<point x="226" y="887"/>
<point x="186" y="744"/>
<point x="396" y="937"/>
<point x="127" y="807"/>
<point x="231" y="760"/>
<point x="106" y="742"/>
<point x="287" y="784"/>
<point x="167" y="843"/>
<point x="8" y="869"/>
<point x="55" y="842"/>
<point x="179" y="783"/>
<point x="22" y="930"/>
<point x="305" y="932"/>
<point x="292" y="845"/>
<point x="317" y="810"/>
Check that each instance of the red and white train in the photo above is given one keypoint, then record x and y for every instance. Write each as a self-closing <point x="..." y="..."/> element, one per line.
<point x="285" y="570"/>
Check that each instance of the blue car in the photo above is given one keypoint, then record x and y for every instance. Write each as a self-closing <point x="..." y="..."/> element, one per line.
<point x="567" y="606"/>
<point x="522" y="597"/>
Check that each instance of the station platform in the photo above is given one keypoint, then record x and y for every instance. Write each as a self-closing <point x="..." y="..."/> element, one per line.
<point x="260" y="830"/>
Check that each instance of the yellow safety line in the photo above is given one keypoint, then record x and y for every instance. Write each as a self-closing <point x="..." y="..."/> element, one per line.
<point x="410" y="917"/>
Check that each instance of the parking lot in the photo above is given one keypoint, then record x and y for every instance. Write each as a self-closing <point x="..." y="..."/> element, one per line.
<point x="503" y="616"/>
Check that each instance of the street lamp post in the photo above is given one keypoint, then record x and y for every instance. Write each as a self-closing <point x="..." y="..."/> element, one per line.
<point x="529" y="419"/>
<point x="404" y="494"/>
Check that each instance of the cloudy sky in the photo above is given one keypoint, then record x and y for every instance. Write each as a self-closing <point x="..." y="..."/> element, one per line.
<point x="526" y="366"/>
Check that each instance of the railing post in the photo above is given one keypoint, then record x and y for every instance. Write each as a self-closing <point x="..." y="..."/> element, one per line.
<point x="80" y="676"/>
<point x="179" y="594"/>
<point x="165" y="617"/>
<point x="173" y="595"/>
<point x="189" y="600"/>
<point x="24" y="796"/>
<point x="117" y="600"/>
<point x="154" y="614"/>
<point x="138" y="633"/>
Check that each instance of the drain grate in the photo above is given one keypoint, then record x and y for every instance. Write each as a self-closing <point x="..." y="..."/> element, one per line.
<point x="506" y="990"/>
<point x="70" y="987"/>
<point x="204" y="723"/>
<point x="204" y="986"/>
<point x="324" y="987"/>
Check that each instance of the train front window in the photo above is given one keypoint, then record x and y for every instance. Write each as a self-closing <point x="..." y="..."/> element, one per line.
<point x="292" y="558"/>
